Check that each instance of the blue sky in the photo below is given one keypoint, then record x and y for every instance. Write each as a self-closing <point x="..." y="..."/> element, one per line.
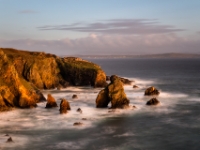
<point x="101" y="26"/>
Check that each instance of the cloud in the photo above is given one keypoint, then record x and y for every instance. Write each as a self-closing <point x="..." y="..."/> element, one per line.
<point x="109" y="44"/>
<point x="117" y="26"/>
<point x="27" y="12"/>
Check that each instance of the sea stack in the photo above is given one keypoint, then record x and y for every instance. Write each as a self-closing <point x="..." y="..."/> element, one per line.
<point x="51" y="102"/>
<point x="114" y="93"/>
<point x="64" y="106"/>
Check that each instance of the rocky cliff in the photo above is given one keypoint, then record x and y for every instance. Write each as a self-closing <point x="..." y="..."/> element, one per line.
<point x="23" y="73"/>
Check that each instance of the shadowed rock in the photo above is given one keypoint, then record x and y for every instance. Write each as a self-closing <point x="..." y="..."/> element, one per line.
<point x="135" y="86"/>
<point x="153" y="101"/>
<point x="51" y="102"/>
<point x="151" y="91"/>
<point x="74" y="96"/>
<point x="9" y="140"/>
<point x="79" y="110"/>
<point x="64" y="106"/>
<point x="78" y="124"/>
<point x="113" y="93"/>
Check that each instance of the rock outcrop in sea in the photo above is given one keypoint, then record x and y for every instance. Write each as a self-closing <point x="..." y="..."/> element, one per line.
<point x="151" y="91"/>
<point x="51" y="102"/>
<point x="23" y="74"/>
<point x="153" y="101"/>
<point x="64" y="106"/>
<point x="113" y="93"/>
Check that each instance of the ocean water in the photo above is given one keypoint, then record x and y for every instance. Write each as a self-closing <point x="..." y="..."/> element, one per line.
<point x="172" y="125"/>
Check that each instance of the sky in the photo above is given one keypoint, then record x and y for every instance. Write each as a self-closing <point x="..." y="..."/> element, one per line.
<point x="101" y="27"/>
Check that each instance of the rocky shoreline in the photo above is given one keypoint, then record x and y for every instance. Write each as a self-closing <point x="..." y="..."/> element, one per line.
<point x="23" y="74"/>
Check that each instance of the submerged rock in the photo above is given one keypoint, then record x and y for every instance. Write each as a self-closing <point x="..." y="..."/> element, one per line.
<point x="9" y="140"/>
<point x="64" y="106"/>
<point x="153" y="101"/>
<point x="113" y="93"/>
<point x="74" y="96"/>
<point x="135" y="86"/>
<point x="51" y="102"/>
<point x="79" y="110"/>
<point x="77" y="124"/>
<point x="151" y="91"/>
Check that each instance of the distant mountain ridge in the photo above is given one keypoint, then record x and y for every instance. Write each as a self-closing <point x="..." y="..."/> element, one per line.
<point x="164" y="55"/>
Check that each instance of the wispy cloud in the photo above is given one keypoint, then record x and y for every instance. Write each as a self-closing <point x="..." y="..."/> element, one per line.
<point x="118" y="26"/>
<point x="27" y="11"/>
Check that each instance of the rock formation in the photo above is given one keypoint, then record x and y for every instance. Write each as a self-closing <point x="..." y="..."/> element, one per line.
<point x="51" y="102"/>
<point x="23" y="73"/>
<point x="153" y="101"/>
<point x="113" y="93"/>
<point x="151" y="91"/>
<point x="15" y="91"/>
<point x="64" y="106"/>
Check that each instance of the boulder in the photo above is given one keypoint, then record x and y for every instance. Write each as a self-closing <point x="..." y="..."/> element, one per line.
<point x="74" y="96"/>
<point x="151" y="91"/>
<point x="64" y="106"/>
<point x="153" y="101"/>
<point x="126" y="81"/>
<point x="79" y="110"/>
<point x="9" y="140"/>
<point x="51" y="102"/>
<point x="78" y="124"/>
<point x="113" y="93"/>
<point x="135" y="86"/>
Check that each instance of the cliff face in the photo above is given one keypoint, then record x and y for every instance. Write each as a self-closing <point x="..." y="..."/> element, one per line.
<point x="48" y="71"/>
<point x="15" y="91"/>
<point x="22" y="73"/>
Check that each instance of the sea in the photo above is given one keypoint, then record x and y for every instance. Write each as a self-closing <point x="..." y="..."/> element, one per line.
<point x="174" y="124"/>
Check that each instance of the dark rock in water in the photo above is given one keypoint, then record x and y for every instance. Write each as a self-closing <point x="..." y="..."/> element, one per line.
<point x="51" y="102"/>
<point x="79" y="110"/>
<point x="113" y="93"/>
<point x="78" y="124"/>
<point x="74" y="96"/>
<point x="84" y="118"/>
<point x="6" y="134"/>
<point x="134" y="107"/>
<point x="64" y="106"/>
<point x="153" y="101"/>
<point x="135" y="86"/>
<point x="9" y="140"/>
<point x="151" y="91"/>
<point x="126" y="81"/>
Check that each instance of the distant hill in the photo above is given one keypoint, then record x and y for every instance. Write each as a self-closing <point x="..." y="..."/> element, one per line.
<point x="165" y="55"/>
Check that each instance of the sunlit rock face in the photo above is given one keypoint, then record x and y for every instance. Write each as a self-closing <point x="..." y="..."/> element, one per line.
<point x="23" y="74"/>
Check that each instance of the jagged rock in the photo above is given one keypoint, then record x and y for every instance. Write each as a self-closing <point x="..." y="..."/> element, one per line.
<point x="74" y="96"/>
<point x="153" y="101"/>
<point x="151" y="91"/>
<point x="51" y="102"/>
<point x="9" y="140"/>
<point x="135" y="86"/>
<point x="113" y="93"/>
<point x="64" y="106"/>
<point x="78" y="124"/>
<point x="79" y="110"/>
